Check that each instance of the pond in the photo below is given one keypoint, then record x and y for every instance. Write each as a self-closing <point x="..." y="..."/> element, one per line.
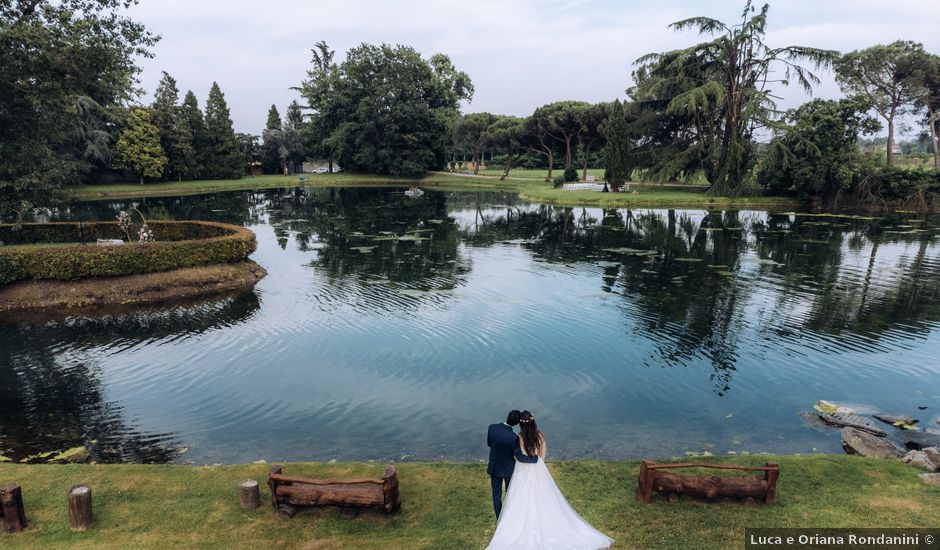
<point x="392" y="328"/>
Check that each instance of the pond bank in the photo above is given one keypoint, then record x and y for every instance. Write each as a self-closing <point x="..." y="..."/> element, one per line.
<point x="446" y="505"/>
<point x="648" y="195"/>
<point x="49" y="296"/>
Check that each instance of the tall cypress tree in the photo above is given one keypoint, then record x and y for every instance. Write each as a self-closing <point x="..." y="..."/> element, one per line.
<point x="617" y="151"/>
<point x="225" y="160"/>
<point x="292" y="137"/>
<point x="191" y="112"/>
<point x="271" y="158"/>
<point x="175" y="132"/>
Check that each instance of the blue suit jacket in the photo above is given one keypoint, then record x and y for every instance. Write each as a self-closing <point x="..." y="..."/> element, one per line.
<point x="504" y="451"/>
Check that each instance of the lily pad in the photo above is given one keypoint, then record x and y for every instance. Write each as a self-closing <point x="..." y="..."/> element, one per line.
<point x="767" y="261"/>
<point x="75" y="454"/>
<point x="414" y="292"/>
<point x="689" y="259"/>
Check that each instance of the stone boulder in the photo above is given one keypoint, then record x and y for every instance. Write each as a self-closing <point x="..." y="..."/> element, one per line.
<point x="918" y="440"/>
<point x="894" y="419"/>
<point x="930" y="479"/>
<point x="857" y="442"/>
<point x="933" y="454"/>
<point x="919" y="459"/>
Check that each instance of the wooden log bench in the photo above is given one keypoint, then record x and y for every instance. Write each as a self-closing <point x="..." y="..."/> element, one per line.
<point x="287" y="493"/>
<point x="654" y="477"/>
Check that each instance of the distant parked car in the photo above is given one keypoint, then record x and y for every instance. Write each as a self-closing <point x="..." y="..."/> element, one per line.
<point x="320" y="170"/>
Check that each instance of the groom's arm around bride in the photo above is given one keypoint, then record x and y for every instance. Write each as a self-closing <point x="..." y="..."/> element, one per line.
<point x="504" y="452"/>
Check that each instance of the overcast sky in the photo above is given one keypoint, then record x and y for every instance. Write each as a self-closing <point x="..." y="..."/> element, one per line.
<point x="519" y="53"/>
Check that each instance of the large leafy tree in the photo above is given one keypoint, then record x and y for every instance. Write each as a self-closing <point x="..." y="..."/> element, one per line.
<point x="816" y="153"/>
<point x="385" y="109"/>
<point x="470" y="134"/>
<point x="593" y="119"/>
<point x="720" y="93"/>
<point x="317" y="93"/>
<point x="505" y="134"/>
<point x="225" y="158"/>
<point x="564" y="122"/>
<point x="67" y="67"/>
<point x="537" y="139"/>
<point x="889" y="76"/>
<point x="928" y="101"/>
<point x="138" y="149"/>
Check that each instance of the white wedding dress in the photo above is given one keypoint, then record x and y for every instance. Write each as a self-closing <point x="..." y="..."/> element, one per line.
<point x="536" y="516"/>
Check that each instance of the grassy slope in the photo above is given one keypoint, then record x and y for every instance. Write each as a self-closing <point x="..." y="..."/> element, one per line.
<point x="528" y="189"/>
<point x="447" y="506"/>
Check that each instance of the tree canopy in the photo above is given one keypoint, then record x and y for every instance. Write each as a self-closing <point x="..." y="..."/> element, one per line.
<point x="385" y="109"/>
<point x="888" y="76"/>
<point x="717" y="93"/>
<point x="138" y="148"/>
<point x="66" y="69"/>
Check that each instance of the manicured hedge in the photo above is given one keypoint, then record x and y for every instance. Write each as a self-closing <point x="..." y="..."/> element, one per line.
<point x="178" y="244"/>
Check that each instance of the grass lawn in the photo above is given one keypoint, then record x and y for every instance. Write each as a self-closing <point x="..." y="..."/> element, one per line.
<point x="32" y="246"/>
<point x="538" y="174"/>
<point x="532" y="190"/>
<point x="447" y="506"/>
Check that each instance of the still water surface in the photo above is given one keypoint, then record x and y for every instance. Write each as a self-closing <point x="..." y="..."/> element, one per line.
<point x="391" y="328"/>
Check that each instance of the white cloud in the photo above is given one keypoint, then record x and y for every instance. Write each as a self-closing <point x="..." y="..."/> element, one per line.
<point x="519" y="53"/>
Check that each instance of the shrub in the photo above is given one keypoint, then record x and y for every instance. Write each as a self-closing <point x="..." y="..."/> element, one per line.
<point x="179" y="244"/>
<point x="571" y="174"/>
<point x="559" y="181"/>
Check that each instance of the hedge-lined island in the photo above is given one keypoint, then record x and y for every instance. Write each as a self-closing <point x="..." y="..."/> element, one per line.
<point x="68" y="265"/>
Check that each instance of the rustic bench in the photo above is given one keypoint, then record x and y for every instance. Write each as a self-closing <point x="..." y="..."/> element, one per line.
<point x="653" y="477"/>
<point x="287" y="492"/>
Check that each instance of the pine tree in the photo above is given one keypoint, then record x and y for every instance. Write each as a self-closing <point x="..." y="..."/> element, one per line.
<point x="295" y="117"/>
<point x="138" y="148"/>
<point x="274" y="119"/>
<point x="175" y="132"/>
<point x="292" y="137"/>
<point x="199" y="139"/>
<point x="617" y="151"/>
<point x="271" y="158"/>
<point x="225" y="159"/>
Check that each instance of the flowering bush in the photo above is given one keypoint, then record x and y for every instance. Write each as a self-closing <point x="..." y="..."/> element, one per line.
<point x="145" y="234"/>
<point x="124" y="222"/>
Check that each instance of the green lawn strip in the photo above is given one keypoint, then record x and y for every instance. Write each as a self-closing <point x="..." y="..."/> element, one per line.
<point x="533" y="190"/>
<point x="448" y="505"/>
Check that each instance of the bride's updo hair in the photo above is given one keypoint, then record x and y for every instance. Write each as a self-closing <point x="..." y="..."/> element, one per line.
<point x="531" y="436"/>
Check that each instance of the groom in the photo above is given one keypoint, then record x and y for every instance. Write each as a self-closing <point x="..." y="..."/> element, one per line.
<point x="504" y="451"/>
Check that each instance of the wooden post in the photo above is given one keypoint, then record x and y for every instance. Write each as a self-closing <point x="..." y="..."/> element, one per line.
<point x="644" y="490"/>
<point x="249" y="497"/>
<point x="11" y="508"/>
<point x="80" y="513"/>
<point x="772" y="476"/>
<point x="272" y="484"/>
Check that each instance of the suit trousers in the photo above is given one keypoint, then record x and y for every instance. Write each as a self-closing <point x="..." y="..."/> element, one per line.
<point x="497" y="483"/>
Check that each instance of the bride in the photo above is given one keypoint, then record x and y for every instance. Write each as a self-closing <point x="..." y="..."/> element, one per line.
<point x="536" y="515"/>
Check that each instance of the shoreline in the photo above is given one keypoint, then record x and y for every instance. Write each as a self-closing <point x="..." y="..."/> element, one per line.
<point x="33" y="299"/>
<point x="447" y="505"/>
<point x="650" y="195"/>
